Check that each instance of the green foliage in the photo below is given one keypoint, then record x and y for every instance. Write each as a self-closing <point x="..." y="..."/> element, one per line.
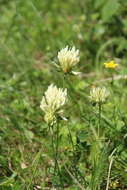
<point x="31" y="34"/>
<point x="110" y="9"/>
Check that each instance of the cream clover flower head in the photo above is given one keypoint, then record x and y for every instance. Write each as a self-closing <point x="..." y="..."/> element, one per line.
<point x="68" y="58"/>
<point x="98" y="94"/>
<point x="52" y="102"/>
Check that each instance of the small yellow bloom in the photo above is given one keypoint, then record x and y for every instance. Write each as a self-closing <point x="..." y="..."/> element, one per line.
<point x="111" y="65"/>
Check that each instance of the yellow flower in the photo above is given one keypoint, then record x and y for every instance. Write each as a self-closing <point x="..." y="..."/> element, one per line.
<point x="52" y="102"/>
<point x="111" y="65"/>
<point x="68" y="58"/>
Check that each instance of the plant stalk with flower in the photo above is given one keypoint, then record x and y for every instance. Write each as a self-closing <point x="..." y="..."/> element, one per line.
<point x="52" y="105"/>
<point x="98" y="95"/>
<point x="111" y="65"/>
<point x="68" y="58"/>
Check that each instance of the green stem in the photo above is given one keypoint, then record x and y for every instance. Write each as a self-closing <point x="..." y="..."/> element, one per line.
<point x="55" y="151"/>
<point x="112" y="82"/>
<point x="57" y="145"/>
<point x="99" y="119"/>
<point x="71" y="140"/>
<point x="53" y="147"/>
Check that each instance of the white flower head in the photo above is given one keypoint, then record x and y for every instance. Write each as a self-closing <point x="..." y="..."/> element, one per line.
<point x="52" y="102"/>
<point x="68" y="58"/>
<point x="98" y="94"/>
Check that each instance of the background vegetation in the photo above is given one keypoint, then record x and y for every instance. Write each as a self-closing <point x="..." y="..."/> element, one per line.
<point x="31" y="34"/>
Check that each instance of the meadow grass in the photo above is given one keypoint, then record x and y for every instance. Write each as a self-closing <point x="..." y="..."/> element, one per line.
<point x="88" y="150"/>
